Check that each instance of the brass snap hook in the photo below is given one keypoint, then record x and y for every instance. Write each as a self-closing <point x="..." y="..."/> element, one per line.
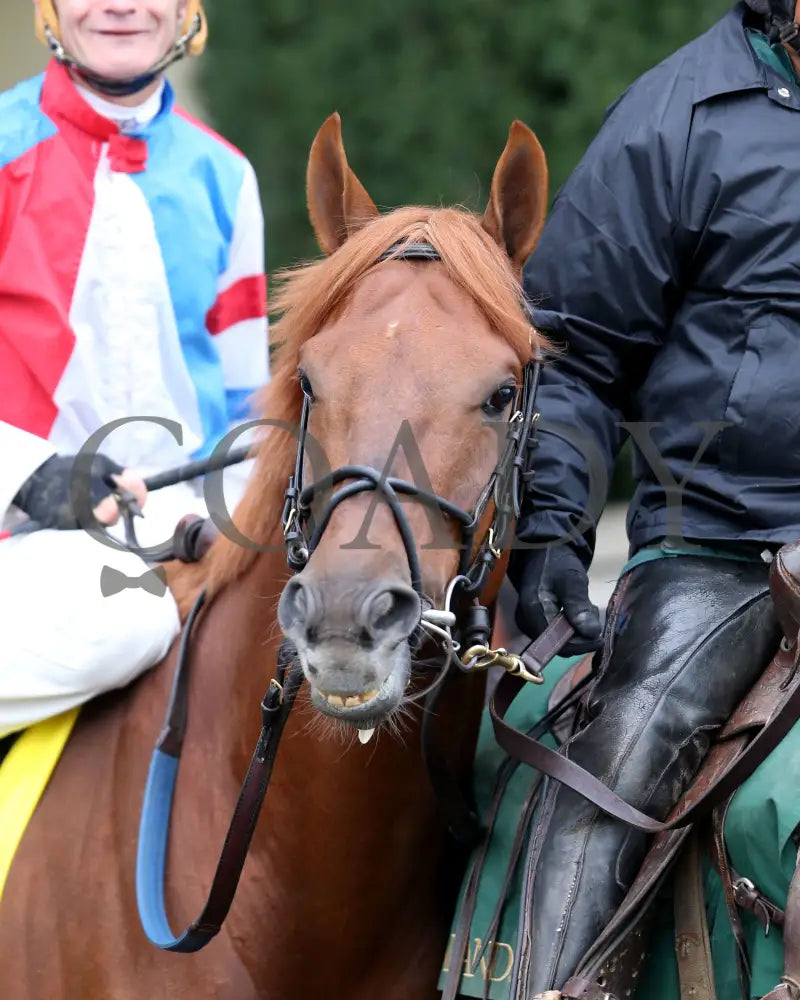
<point x="481" y="657"/>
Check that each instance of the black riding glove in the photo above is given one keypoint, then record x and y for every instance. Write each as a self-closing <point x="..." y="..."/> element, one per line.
<point x="547" y="581"/>
<point x="57" y="499"/>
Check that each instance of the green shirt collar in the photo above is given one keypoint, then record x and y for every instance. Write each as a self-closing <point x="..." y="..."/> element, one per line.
<point x="774" y="56"/>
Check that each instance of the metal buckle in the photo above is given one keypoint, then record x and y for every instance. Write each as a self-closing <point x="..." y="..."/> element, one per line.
<point x="497" y="553"/>
<point x="290" y="521"/>
<point x="741" y="887"/>
<point x="481" y="657"/>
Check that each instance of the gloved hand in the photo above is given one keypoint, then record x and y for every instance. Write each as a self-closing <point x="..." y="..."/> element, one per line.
<point x="547" y="581"/>
<point x="50" y="496"/>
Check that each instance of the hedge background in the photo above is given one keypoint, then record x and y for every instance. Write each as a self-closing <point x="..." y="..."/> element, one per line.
<point x="426" y="88"/>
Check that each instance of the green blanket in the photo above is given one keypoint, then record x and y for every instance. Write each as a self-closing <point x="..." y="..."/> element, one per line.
<point x="760" y="822"/>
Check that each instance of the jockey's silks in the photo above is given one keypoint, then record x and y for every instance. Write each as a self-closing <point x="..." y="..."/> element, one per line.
<point x="131" y="275"/>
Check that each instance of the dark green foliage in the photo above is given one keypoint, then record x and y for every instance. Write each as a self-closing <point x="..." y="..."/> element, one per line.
<point x="426" y="88"/>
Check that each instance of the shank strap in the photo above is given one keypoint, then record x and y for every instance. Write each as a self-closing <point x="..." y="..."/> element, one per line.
<point x="157" y="806"/>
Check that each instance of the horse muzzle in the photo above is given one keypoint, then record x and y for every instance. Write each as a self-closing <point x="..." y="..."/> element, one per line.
<point x="353" y="640"/>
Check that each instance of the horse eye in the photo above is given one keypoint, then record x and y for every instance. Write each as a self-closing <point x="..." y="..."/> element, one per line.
<point x="305" y="385"/>
<point x="499" y="400"/>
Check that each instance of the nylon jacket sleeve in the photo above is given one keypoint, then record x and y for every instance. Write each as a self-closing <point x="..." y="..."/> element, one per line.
<point x="604" y="280"/>
<point x="238" y="317"/>
<point x="22" y="453"/>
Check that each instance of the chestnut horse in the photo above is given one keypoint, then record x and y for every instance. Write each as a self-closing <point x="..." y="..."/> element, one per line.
<point x="344" y="895"/>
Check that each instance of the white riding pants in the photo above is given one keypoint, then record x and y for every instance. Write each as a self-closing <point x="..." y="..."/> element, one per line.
<point x="61" y="641"/>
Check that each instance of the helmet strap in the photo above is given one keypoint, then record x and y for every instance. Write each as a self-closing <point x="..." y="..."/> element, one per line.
<point x="783" y="28"/>
<point x="123" y="88"/>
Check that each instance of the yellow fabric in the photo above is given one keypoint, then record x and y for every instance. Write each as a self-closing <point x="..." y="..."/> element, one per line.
<point x="45" y="14"/>
<point x="23" y="777"/>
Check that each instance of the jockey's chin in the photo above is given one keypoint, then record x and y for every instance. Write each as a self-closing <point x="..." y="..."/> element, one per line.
<point x="124" y="56"/>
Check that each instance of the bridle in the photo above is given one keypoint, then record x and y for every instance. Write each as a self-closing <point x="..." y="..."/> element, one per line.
<point x="503" y="489"/>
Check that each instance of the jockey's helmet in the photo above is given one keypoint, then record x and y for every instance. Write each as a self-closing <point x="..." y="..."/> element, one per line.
<point x="192" y="41"/>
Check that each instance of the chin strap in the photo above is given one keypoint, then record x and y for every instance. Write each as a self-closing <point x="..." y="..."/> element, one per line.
<point x="123" y="88"/>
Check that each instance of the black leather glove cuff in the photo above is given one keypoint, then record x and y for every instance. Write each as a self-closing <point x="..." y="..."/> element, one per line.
<point x="57" y="497"/>
<point x="549" y="580"/>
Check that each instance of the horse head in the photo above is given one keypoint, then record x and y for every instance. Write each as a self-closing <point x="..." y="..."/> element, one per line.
<point x="408" y="342"/>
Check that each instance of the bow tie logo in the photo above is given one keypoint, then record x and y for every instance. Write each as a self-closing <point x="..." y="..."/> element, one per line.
<point x="154" y="581"/>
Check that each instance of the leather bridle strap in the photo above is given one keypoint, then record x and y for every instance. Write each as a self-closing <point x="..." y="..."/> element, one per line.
<point x="566" y="771"/>
<point x="157" y="806"/>
<point x="504" y="485"/>
<point x="456" y="804"/>
<point x="367" y="479"/>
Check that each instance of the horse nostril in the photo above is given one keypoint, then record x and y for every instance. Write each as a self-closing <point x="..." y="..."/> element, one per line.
<point x="392" y="612"/>
<point x="297" y="607"/>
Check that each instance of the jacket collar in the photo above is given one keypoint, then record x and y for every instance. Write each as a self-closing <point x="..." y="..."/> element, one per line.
<point x="62" y="102"/>
<point x="725" y="61"/>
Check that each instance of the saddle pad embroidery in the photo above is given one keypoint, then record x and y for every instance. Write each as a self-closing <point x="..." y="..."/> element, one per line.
<point x="23" y="777"/>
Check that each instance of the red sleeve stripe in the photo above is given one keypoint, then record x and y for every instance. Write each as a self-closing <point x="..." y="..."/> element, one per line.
<point x="246" y="299"/>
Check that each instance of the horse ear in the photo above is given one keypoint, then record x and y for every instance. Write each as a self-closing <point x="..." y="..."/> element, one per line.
<point x="518" y="198"/>
<point x="338" y="204"/>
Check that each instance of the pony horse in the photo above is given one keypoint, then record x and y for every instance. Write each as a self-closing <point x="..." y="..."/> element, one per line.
<point x="345" y="894"/>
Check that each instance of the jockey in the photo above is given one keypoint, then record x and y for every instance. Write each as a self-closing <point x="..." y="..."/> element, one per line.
<point x="668" y="270"/>
<point x="131" y="286"/>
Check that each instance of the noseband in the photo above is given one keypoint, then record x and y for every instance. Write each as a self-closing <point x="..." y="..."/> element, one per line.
<point x="504" y="486"/>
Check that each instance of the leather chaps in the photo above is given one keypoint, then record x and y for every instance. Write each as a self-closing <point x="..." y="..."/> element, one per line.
<point x="686" y="638"/>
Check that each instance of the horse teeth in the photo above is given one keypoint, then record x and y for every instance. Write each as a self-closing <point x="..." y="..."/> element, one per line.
<point x="350" y="700"/>
<point x="365" y="735"/>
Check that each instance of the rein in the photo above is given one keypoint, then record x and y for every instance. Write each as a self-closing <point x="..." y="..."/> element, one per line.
<point x="505" y="481"/>
<point x="159" y="791"/>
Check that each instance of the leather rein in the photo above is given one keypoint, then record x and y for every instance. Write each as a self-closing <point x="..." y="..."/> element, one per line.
<point x="301" y="536"/>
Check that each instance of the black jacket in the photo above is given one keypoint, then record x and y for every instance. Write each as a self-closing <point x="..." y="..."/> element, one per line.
<point x="669" y="271"/>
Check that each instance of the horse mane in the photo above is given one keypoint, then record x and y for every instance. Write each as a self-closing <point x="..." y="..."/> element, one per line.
<point x="307" y="296"/>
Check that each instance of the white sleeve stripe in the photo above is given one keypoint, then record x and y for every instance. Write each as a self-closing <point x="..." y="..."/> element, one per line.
<point x="243" y="351"/>
<point x="246" y="256"/>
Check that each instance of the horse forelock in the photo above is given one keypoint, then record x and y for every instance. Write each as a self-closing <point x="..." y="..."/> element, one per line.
<point x="310" y="294"/>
